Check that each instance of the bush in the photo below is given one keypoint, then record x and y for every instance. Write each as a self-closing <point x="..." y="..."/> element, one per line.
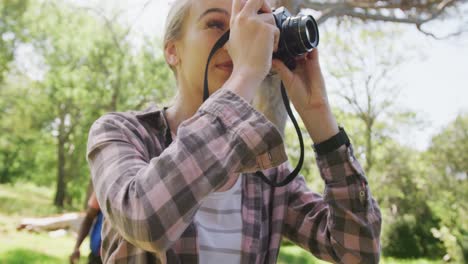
<point x="411" y="237"/>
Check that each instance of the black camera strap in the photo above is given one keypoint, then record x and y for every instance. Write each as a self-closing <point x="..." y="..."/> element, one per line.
<point x="219" y="44"/>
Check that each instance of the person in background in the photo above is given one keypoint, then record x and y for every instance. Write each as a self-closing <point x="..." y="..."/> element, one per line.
<point x="93" y="215"/>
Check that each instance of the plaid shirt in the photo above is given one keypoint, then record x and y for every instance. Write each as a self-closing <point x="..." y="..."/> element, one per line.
<point x="150" y="192"/>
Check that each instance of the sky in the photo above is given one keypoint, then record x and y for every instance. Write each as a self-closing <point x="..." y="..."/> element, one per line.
<point x="434" y="86"/>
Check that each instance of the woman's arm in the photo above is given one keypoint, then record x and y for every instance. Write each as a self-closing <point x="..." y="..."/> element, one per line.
<point x="152" y="201"/>
<point x="344" y="225"/>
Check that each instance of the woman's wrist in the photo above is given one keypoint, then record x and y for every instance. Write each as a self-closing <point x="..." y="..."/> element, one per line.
<point x="243" y="84"/>
<point x="320" y="123"/>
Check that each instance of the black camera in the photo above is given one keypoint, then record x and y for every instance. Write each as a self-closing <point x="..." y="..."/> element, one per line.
<point x="298" y="35"/>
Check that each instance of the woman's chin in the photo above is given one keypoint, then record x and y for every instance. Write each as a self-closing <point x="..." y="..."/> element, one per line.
<point x="224" y="71"/>
<point x="217" y="78"/>
<point x="221" y="76"/>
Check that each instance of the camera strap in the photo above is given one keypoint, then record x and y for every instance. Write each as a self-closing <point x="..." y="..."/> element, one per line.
<point x="219" y="44"/>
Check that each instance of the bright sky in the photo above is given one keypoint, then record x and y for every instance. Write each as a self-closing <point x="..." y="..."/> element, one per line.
<point x="435" y="87"/>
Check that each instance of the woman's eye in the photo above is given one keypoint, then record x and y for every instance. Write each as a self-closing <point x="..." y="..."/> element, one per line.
<point x="216" y="24"/>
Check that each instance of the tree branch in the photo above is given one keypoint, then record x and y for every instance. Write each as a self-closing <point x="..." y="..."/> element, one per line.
<point x="414" y="12"/>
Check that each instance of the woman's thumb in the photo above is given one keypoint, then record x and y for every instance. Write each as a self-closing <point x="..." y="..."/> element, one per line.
<point x="285" y="74"/>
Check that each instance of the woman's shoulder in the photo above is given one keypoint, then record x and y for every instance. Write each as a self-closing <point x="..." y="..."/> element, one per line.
<point x="143" y="129"/>
<point x="142" y="125"/>
<point x="152" y="116"/>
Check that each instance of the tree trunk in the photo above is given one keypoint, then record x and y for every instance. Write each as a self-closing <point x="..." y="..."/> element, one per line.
<point x="61" y="184"/>
<point x="369" y="158"/>
<point x="5" y="172"/>
<point x="8" y="173"/>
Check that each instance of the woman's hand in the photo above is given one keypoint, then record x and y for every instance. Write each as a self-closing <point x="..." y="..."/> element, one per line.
<point x="306" y="90"/>
<point x="253" y="38"/>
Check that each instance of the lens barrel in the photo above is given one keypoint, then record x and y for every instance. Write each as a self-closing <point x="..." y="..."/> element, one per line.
<point x="300" y="35"/>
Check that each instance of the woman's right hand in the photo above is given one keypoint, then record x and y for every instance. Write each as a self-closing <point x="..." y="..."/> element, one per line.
<point x="253" y="38"/>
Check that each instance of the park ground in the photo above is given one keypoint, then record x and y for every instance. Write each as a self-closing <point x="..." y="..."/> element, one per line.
<point x="22" y="247"/>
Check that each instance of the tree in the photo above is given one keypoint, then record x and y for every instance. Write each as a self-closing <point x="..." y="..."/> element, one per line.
<point x="87" y="66"/>
<point x="11" y="22"/>
<point x="413" y="12"/>
<point x="64" y="84"/>
<point x="18" y="136"/>
<point x="360" y="68"/>
<point x="447" y="169"/>
<point x="103" y="73"/>
<point x="133" y="77"/>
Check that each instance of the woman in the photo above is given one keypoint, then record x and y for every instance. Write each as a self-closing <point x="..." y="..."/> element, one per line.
<point x="177" y="185"/>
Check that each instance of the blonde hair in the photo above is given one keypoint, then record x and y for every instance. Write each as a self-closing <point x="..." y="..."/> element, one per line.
<point x="174" y="27"/>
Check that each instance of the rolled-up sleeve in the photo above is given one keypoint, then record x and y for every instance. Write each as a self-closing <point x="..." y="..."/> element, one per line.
<point x="343" y="225"/>
<point x="152" y="200"/>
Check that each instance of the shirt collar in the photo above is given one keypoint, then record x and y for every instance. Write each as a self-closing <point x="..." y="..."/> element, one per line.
<point x="156" y="118"/>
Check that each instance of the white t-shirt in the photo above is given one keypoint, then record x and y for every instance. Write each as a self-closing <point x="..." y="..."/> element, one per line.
<point x="219" y="226"/>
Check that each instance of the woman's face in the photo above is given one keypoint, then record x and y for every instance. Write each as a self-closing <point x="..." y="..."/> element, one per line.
<point x="207" y="21"/>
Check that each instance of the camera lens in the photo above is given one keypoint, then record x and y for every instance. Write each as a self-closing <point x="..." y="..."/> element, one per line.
<point x="309" y="32"/>
<point x="312" y="33"/>
<point x="300" y="34"/>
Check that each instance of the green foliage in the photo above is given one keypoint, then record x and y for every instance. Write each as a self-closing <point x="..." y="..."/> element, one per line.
<point x="407" y="184"/>
<point x="21" y="135"/>
<point x="87" y="66"/>
<point x="421" y="242"/>
<point x="11" y="22"/>
<point x="448" y="167"/>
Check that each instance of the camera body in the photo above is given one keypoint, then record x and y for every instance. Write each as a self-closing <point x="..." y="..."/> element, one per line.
<point x="298" y="35"/>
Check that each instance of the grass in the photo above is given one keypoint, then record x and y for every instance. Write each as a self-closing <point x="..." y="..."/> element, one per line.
<point x="24" y="247"/>
<point x="296" y="255"/>
<point x="410" y="261"/>
<point x="25" y="200"/>
<point x="19" y="256"/>
<point x="21" y="247"/>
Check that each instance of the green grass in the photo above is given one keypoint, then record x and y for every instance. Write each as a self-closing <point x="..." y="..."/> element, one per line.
<point x="410" y="261"/>
<point x="20" y="256"/>
<point x="25" y="200"/>
<point x="296" y="255"/>
<point x="24" y="247"/>
<point x="291" y="254"/>
<point x="21" y="247"/>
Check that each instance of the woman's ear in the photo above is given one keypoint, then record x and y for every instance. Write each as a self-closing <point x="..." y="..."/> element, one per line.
<point x="171" y="54"/>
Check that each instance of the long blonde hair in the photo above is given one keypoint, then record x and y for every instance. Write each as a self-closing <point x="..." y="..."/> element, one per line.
<point x="174" y="27"/>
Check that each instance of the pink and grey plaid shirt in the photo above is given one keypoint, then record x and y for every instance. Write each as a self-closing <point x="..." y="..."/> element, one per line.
<point x="150" y="192"/>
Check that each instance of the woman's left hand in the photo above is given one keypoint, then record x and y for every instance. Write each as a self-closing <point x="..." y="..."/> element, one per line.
<point x="306" y="90"/>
